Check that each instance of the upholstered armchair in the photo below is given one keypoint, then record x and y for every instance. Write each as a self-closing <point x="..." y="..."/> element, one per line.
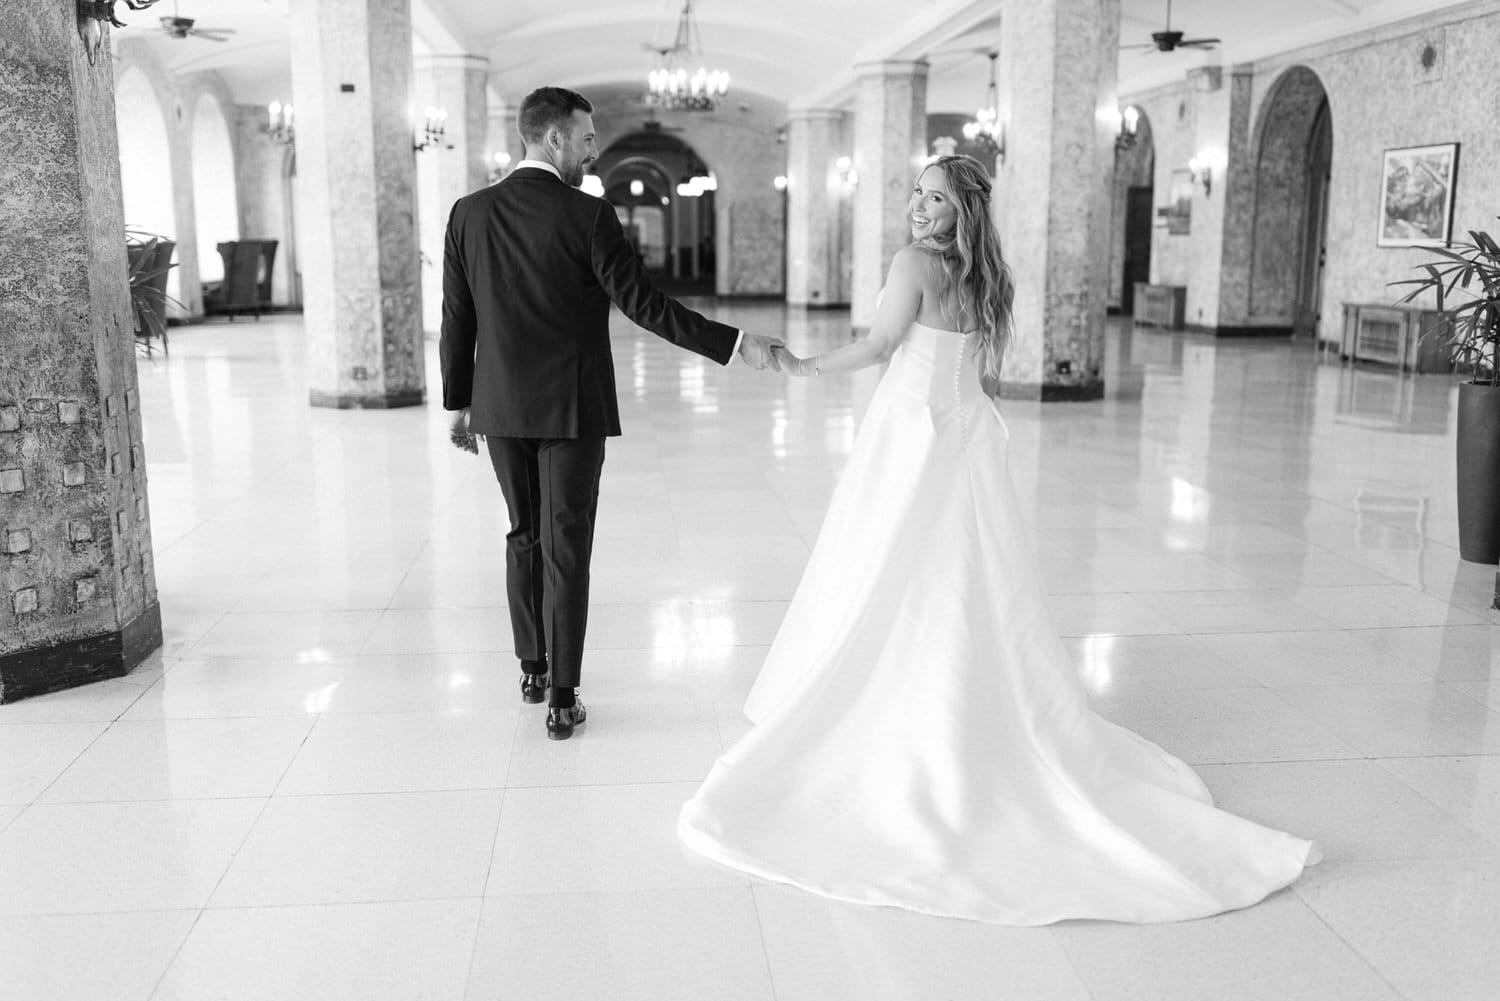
<point x="246" y="287"/>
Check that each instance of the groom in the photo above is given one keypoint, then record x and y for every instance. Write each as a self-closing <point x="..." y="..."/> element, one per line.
<point x="530" y="267"/>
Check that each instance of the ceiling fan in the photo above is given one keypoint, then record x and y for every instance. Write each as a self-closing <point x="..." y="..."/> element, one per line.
<point x="182" y="27"/>
<point x="1168" y="40"/>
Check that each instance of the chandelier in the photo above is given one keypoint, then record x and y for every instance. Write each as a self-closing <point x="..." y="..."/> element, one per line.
<point x="674" y="84"/>
<point x="986" y="130"/>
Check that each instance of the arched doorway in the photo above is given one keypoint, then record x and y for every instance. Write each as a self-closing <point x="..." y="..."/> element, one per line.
<point x="1293" y="167"/>
<point x="215" y="204"/>
<point x="146" y="166"/>
<point x="1134" y="180"/>
<point x="646" y="176"/>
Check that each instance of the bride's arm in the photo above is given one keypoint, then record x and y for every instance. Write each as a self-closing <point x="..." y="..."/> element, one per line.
<point x="898" y="308"/>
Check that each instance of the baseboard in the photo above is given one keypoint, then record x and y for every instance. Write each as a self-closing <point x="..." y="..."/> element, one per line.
<point x="26" y="673"/>
<point x="1237" y="331"/>
<point x="371" y="401"/>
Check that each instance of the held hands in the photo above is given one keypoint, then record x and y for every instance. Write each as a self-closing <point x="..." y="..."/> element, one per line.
<point x="791" y="364"/>
<point x="758" y="352"/>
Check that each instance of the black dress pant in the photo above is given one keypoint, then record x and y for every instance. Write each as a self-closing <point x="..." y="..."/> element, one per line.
<point x="551" y="487"/>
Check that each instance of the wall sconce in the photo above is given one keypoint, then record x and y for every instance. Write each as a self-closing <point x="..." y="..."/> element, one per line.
<point x="779" y="182"/>
<point x="501" y="167"/>
<point x="592" y="184"/>
<point x="434" y="125"/>
<point x="1203" y="172"/>
<point x="1130" y="123"/>
<point x="637" y="187"/>
<point x="847" y="174"/>
<point x="279" y="125"/>
<point x="91" y="17"/>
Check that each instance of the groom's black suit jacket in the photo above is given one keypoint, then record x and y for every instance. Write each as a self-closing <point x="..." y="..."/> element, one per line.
<point x="530" y="267"/>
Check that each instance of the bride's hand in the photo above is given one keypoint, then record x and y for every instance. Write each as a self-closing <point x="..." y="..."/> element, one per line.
<point x="793" y="365"/>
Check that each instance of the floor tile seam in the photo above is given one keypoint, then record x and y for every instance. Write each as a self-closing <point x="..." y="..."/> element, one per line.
<point x="1484" y="836"/>
<point x="172" y="959"/>
<point x="68" y="767"/>
<point x="760" y="930"/>
<point x="1479" y="700"/>
<point x="1354" y="949"/>
<point x="372" y="902"/>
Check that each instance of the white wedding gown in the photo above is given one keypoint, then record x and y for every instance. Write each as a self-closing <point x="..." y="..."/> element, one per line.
<point x="922" y="739"/>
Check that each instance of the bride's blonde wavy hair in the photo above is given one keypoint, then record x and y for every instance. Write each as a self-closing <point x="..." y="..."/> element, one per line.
<point x="974" y="275"/>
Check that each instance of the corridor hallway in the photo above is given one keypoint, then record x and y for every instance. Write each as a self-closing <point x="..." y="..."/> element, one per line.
<point x="324" y="785"/>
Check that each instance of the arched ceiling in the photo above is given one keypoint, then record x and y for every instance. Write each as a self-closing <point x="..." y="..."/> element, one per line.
<point x="798" y="53"/>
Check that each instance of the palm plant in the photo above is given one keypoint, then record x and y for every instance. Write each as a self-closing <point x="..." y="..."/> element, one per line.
<point x="1470" y="272"/>
<point x="148" y="295"/>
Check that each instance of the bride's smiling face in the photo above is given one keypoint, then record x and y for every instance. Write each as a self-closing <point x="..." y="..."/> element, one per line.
<point x="930" y="210"/>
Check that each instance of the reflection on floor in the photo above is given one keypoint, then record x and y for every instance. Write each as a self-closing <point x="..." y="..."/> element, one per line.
<point x="325" y="784"/>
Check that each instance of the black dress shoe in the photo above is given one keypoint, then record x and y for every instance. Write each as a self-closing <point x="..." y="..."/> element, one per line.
<point x="533" y="687"/>
<point x="560" y="722"/>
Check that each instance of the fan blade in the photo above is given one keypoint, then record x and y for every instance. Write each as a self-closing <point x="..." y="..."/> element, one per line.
<point x="1146" y="46"/>
<point x="210" y="36"/>
<point x="1198" y="43"/>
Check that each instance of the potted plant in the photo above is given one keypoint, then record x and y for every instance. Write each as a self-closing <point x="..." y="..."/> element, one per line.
<point x="148" y="259"/>
<point x="1466" y="282"/>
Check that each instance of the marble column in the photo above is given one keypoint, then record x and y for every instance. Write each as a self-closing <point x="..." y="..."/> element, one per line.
<point x="1053" y="196"/>
<point x="890" y="141"/>
<point x="356" y="202"/>
<point x="1218" y="287"/>
<point x="77" y="584"/>
<point x="814" y="200"/>
<point x="261" y="176"/>
<point x="449" y="170"/>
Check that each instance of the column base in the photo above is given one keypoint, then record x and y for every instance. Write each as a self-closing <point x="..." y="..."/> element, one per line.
<point x="1050" y="392"/>
<point x="366" y="401"/>
<point x="79" y="662"/>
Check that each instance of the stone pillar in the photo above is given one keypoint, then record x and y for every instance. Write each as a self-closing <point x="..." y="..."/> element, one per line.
<point x="814" y="201"/>
<point x="1218" y="287"/>
<point x="447" y="172"/>
<point x="503" y="137"/>
<point x="77" y="587"/>
<point x="356" y="202"/>
<point x="1053" y="199"/>
<point x="890" y="142"/>
<point x="261" y="170"/>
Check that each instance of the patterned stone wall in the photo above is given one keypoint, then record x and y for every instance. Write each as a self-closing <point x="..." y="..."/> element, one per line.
<point x="1382" y="95"/>
<point x="1280" y="195"/>
<point x="77" y="586"/>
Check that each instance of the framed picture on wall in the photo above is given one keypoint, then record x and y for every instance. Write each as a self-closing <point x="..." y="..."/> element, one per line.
<point x="1416" y="195"/>
<point x="1178" y="212"/>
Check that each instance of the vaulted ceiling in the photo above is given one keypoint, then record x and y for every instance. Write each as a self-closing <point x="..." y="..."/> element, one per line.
<point x="797" y="52"/>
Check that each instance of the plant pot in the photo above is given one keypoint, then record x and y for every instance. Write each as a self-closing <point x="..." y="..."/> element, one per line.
<point x="1479" y="472"/>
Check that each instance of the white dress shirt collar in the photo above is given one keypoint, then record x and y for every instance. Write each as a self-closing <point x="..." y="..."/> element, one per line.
<point x="540" y="165"/>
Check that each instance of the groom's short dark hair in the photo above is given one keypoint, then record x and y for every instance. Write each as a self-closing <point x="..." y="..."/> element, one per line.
<point x="549" y="106"/>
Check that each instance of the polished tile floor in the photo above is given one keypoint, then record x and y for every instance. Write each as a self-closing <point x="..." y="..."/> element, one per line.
<point x="325" y="786"/>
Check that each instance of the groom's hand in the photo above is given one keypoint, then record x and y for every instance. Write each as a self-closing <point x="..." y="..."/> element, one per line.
<point x="755" y="351"/>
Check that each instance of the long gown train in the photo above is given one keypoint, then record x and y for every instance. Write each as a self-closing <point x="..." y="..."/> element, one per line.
<point x="922" y="739"/>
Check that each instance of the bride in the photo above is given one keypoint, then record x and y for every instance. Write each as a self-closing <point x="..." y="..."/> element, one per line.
<point x="921" y="738"/>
